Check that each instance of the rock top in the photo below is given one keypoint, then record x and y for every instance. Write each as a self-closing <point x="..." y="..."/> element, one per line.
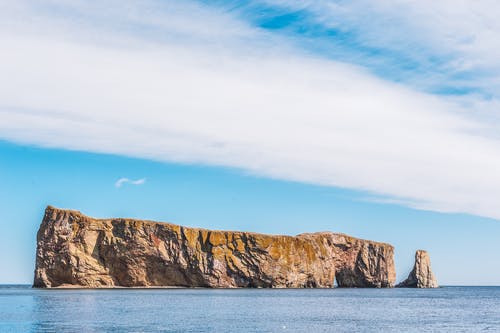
<point x="74" y="250"/>
<point x="421" y="275"/>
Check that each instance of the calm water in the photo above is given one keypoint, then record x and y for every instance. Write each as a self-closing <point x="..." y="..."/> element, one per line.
<point x="449" y="309"/>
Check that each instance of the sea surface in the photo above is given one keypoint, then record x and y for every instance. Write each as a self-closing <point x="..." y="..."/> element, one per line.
<point x="447" y="309"/>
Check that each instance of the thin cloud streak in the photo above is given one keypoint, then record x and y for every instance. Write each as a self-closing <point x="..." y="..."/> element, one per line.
<point x="247" y="101"/>
<point x="120" y="182"/>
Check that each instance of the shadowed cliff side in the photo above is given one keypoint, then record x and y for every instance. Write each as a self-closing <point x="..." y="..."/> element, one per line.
<point x="79" y="251"/>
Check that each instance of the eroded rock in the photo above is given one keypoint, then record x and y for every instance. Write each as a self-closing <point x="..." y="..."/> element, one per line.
<point x="76" y="250"/>
<point x="421" y="275"/>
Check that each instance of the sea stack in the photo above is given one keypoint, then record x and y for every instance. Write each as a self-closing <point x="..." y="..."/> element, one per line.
<point x="421" y="275"/>
<point x="74" y="250"/>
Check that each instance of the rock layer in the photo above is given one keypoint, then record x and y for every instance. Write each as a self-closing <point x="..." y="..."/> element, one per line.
<point x="78" y="251"/>
<point x="421" y="275"/>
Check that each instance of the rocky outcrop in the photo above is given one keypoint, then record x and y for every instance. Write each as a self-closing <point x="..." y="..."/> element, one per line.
<point x="74" y="250"/>
<point x="421" y="275"/>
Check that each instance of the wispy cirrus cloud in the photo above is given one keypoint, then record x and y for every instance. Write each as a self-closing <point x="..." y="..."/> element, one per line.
<point x="120" y="182"/>
<point x="447" y="47"/>
<point x="196" y="84"/>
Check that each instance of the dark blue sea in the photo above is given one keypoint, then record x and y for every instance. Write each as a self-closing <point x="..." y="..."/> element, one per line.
<point x="447" y="309"/>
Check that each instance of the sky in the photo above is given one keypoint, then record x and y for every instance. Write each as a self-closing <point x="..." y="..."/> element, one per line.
<point x="376" y="119"/>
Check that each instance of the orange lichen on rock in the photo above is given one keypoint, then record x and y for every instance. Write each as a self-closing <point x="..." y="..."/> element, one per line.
<point x="76" y="250"/>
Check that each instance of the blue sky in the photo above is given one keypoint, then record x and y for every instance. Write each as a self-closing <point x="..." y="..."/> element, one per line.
<point x="268" y="116"/>
<point x="221" y="198"/>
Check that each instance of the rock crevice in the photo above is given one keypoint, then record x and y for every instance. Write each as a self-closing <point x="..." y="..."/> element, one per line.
<point x="80" y="251"/>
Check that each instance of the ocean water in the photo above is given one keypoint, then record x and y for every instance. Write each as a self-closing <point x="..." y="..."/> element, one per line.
<point x="447" y="309"/>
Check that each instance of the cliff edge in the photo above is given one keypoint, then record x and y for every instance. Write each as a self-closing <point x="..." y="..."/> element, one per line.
<point x="74" y="250"/>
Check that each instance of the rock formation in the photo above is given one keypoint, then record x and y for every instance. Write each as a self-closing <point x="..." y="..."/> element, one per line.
<point x="74" y="250"/>
<point x="421" y="275"/>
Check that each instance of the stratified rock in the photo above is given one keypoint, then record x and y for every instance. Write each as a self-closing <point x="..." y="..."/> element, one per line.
<point x="79" y="251"/>
<point x="421" y="275"/>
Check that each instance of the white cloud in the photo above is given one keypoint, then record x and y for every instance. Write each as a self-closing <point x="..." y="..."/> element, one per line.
<point x="247" y="101"/>
<point x="446" y="42"/>
<point x="120" y="182"/>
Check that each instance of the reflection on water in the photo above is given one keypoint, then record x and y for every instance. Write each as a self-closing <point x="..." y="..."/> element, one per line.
<point x="451" y="309"/>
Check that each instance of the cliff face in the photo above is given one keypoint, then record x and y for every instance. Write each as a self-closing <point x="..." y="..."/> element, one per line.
<point x="421" y="275"/>
<point x="76" y="250"/>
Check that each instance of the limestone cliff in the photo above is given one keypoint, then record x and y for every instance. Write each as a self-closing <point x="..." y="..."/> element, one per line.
<point x="421" y="275"/>
<point x="76" y="250"/>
